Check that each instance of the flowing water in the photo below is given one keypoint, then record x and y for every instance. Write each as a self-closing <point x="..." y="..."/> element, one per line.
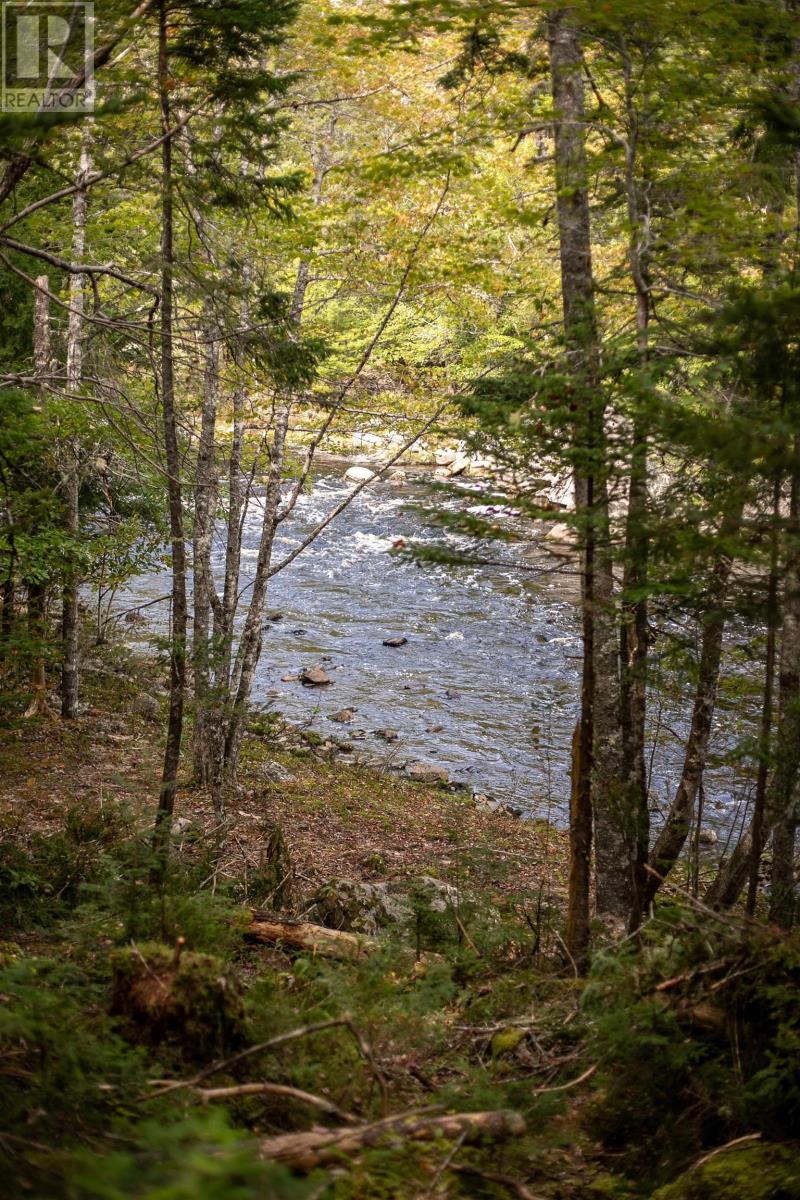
<point x="487" y="683"/>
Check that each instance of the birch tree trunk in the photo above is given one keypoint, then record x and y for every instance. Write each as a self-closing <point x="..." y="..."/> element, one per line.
<point x="239" y="677"/>
<point x="70" y="683"/>
<point x="250" y="643"/>
<point x="36" y="586"/>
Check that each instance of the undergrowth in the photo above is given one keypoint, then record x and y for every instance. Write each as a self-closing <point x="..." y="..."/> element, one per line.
<point x="631" y="1083"/>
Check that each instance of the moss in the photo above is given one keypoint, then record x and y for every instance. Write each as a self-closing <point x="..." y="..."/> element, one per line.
<point x="507" y="1040"/>
<point x="750" y="1172"/>
<point x="191" y="1000"/>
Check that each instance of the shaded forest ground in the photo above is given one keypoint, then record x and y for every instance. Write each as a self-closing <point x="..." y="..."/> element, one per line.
<point x="671" y="1071"/>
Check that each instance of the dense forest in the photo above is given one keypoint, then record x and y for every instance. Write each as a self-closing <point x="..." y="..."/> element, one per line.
<point x="463" y="335"/>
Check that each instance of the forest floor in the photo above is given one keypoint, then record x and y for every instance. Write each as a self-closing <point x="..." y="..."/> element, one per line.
<point x="339" y="820"/>
<point x="113" y="980"/>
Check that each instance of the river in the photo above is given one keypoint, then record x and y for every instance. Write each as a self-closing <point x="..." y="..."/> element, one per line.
<point x="487" y="683"/>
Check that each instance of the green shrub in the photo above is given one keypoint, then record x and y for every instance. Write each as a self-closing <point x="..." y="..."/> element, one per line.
<point x="697" y="1033"/>
<point x="752" y="1172"/>
<point x="193" y="1001"/>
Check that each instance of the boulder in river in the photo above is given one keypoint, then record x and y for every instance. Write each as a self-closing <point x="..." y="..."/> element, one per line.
<point x="343" y="716"/>
<point x="428" y="773"/>
<point x="562" y="534"/>
<point x="395" y="641"/>
<point x="459" y="465"/>
<point x="314" y="677"/>
<point x="359" y="474"/>
<point x="387" y="735"/>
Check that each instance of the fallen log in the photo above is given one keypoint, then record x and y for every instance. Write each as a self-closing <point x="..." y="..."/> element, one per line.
<point x="303" y="935"/>
<point x="321" y="1147"/>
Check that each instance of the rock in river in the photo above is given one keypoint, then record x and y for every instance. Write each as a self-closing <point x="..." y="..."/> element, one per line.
<point x="343" y="716"/>
<point x="388" y="735"/>
<point x="314" y="677"/>
<point x="395" y="641"/>
<point x="428" y="773"/>
<point x="359" y="474"/>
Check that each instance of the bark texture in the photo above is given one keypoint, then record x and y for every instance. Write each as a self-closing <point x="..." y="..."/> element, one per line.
<point x="598" y="787"/>
<point x="172" y="459"/>
<point x="36" y="586"/>
<point x="71" y="465"/>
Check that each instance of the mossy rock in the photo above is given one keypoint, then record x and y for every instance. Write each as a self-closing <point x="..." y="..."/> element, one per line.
<point x="751" y="1172"/>
<point x="190" y="1000"/>
<point x="357" y="907"/>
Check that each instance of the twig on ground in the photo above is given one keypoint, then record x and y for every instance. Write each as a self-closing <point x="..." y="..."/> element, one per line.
<point x="514" y="1185"/>
<point x="563" y="1087"/>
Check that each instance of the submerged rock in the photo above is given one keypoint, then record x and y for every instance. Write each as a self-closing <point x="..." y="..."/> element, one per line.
<point x="343" y="716"/>
<point x="314" y="677"/>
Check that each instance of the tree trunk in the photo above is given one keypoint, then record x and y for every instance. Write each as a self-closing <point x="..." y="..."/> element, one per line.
<point x="205" y="505"/>
<point x="580" y="860"/>
<point x="598" y="786"/>
<point x="36" y="587"/>
<point x="70" y="682"/>
<point x="778" y="802"/>
<point x="672" y="838"/>
<point x="305" y="1152"/>
<point x="783" y="886"/>
<point x="250" y="642"/>
<point x="172" y="751"/>
<point x="766" y="708"/>
<point x="634" y="628"/>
